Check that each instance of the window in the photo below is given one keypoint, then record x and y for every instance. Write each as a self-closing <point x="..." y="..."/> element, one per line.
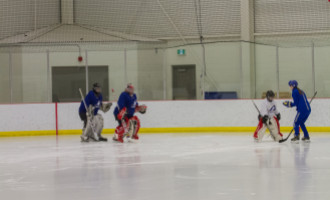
<point x="66" y="82"/>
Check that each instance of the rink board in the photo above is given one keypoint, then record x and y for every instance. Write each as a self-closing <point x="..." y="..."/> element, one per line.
<point x="161" y="117"/>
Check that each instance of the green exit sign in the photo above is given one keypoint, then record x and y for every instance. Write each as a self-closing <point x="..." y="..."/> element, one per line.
<point x="181" y="52"/>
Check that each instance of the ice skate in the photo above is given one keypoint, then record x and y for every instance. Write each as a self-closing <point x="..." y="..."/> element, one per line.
<point x="103" y="139"/>
<point x="306" y="140"/>
<point x="84" y="138"/>
<point x="118" y="138"/>
<point x="295" y="140"/>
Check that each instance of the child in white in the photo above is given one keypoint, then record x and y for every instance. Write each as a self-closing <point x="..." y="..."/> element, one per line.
<point x="268" y="118"/>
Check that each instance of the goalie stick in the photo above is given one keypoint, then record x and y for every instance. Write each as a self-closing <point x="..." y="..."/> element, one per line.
<point x="90" y="118"/>
<point x="285" y="139"/>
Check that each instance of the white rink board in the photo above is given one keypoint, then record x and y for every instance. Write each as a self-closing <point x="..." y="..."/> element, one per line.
<point x="160" y="114"/>
<point x="27" y="117"/>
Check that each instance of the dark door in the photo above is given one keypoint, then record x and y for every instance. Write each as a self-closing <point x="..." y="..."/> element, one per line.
<point x="184" y="82"/>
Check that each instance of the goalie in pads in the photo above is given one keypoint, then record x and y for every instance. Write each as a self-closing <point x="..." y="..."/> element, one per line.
<point x="268" y="118"/>
<point x="128" y="124"/>
<point x="88" y="112"/>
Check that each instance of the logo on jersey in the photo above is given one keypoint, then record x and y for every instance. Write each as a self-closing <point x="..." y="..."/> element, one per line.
<point x="134" y="104"/>
<point x="273" y="108"/>
<point x="98" y="104"/>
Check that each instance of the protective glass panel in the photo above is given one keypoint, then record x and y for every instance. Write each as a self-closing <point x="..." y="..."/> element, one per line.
<point x="223" y="70"/>
<point x="29" y="77"/>
<point x="114" y="77"/>
<point x="266" y="73"/>
<point x="322" y="71"/>
<point x="4" y="78"/>
<point x="99" y="74"/>
<point x="296" y="64"/>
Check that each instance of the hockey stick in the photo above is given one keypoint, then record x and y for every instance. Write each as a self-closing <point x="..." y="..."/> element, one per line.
<point x="90" y="119"/>
<point x="255" y="105"/>
<point x="285" y="139"/>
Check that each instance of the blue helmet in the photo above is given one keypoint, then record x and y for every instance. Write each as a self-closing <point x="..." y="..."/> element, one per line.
<point x="293" y="83"/>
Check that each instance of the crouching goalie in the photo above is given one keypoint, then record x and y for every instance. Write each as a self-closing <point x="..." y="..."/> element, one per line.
<point x="128" y="124"/>
<point x="88" y="112"/>
<point x="268" y="118"/>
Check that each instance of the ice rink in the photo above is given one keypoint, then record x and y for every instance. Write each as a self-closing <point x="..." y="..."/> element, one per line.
<point x="164" y="166"/>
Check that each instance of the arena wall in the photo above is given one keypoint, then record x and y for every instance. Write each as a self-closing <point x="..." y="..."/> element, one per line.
<point x="162" y="116"/>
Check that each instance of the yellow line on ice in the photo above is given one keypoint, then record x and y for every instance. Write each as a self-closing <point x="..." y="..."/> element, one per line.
<point x="247" y="130"/>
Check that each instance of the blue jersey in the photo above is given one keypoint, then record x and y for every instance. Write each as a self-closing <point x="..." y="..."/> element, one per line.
<point x="91" y="99"/>
<point x="300" y="101"/>
<point x="126" y="101"/>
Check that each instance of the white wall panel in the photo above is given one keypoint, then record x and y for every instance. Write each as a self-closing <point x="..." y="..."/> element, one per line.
<point x="223" y="113"/>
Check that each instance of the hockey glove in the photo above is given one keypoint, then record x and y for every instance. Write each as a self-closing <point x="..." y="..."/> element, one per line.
<point x="265" y="119"/>
<point x="259" y="117"/>
<point x="106" y="107"/>
<point x="287" y="104"/>
<point x="278" y="116"/>
<point x="142" y="109"/>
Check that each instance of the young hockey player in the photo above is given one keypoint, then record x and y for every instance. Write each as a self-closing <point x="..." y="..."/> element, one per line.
<point x="268" y="118"/>
<point x="303" y="111"/>
<point x="93" y="122"/>
<point x="128" y="124"/>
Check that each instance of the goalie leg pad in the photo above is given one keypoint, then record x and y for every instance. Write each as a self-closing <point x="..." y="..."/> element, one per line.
<point x="87" y="131"/>
<point x="119" y="134"/>
<point x="274" y="129"/>
<point x="99" y="123"/>
<point x="90" y="130"/>
<point x="260" y="131"/>
<point x="137" y="128"/>
<point x="131" y="127"/>
<point x="134" y="127"/>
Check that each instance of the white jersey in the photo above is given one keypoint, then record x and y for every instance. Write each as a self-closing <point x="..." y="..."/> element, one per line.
<point x="268" y="108"/>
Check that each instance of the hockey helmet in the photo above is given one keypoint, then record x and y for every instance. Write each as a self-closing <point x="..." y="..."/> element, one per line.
<point x="270" y="95"/>
<point x="293" y="83"/>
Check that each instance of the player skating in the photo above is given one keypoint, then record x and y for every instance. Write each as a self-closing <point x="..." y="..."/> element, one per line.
<point x="269" y="118"/>
<point x="303" y="111"/>
<point x="88" y="112"/>
<point x="128" y="124"/>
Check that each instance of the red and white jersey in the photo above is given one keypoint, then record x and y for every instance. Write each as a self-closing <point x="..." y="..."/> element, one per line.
<point x="268" y="108"/>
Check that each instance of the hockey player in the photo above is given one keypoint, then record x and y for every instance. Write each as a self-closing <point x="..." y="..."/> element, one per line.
<point x="303" y="111"/>
<point x="93" y="122"/>
<point x="128" y="124"/>
<point x="268" y="118"/>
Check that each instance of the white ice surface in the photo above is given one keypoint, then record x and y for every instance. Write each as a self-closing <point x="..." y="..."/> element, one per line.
<point x="164" y="167"/>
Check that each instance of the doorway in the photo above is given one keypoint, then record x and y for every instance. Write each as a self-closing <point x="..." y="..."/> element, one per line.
<point x="184" y="82"/>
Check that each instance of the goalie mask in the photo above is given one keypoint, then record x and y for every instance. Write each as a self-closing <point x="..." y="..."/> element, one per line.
<point x="97" y="88"/>
<point x="270" y="95"/>
<point x="130" y="89"/>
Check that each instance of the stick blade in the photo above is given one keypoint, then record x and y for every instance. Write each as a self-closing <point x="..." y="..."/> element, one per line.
<point x="283" y="140"/>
